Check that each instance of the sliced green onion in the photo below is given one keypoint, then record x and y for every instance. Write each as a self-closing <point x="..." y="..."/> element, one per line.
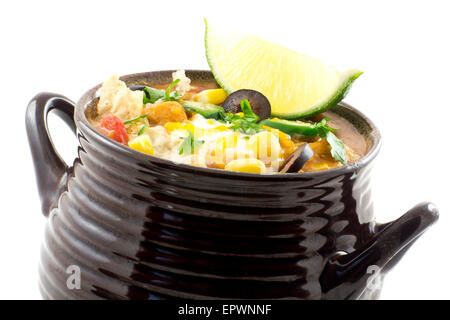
<point x="145" y="126"/>
<point x="135" y="119"/>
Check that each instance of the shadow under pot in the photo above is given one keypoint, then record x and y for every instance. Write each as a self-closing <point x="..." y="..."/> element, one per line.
<point x="126" y="225"/>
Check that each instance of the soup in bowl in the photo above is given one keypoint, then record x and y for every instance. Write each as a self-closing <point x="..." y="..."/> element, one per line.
<point x="148" y="211"/>
<point x="191" y="123"/>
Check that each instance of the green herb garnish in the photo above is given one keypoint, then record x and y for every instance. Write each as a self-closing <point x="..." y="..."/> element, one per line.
<point x="151" y="95"/>
<point x="189" y="144"/>
<point x="249" y="115"/>
<point x="175" y="95"/>
<point x="135" y="119"/>
<point x="336" y="144"/>
<point x="142" y="130"/>
<point x="322" y="127"/>
<point x="247" y="124"/>
<point x="337" y="148"/>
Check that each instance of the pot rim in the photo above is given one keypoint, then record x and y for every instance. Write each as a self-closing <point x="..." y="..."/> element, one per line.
<point x="82" y="123"/>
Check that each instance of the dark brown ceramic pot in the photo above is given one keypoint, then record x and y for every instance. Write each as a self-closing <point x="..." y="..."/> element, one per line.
<point x="140" y="227"/>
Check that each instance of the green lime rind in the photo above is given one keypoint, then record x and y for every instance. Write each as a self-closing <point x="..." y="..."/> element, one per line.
<point x="219" y="80"/>
<point x="337" y="97"/>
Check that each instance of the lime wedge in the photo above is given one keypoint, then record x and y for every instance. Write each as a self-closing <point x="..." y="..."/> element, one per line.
<point x="296" y="85"/>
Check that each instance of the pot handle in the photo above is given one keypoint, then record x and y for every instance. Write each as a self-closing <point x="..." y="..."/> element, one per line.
<point x="51" y="171"/>
<point x="346" y="276"/>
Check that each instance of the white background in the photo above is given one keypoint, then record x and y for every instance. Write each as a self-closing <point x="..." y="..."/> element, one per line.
<point x="402" y="47"/>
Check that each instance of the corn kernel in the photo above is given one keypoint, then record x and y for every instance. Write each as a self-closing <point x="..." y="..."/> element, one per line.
<point x="220" y="128"/>
<point x="142" y="143"/>
<point x="246" y="165"/>
<point x="172" y="126"/>
<point x="214" y="96"/>
<point x="265" y="146"/>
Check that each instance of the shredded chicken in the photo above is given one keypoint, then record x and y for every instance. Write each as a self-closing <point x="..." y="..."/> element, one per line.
<point x="117" y="99"/>
<point x="185" y="83"/>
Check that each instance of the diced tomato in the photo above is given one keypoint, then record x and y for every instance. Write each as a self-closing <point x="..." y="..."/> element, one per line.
<point x="114" y="128"/>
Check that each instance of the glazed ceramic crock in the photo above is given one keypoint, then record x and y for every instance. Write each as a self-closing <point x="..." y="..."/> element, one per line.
<point x="140" y="227"/>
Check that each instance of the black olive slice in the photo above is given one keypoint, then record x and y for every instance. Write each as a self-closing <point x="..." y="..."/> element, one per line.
<point x="297" y="159"/>
<point x="260" y="104"/>
<point x="136" y="87"/>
